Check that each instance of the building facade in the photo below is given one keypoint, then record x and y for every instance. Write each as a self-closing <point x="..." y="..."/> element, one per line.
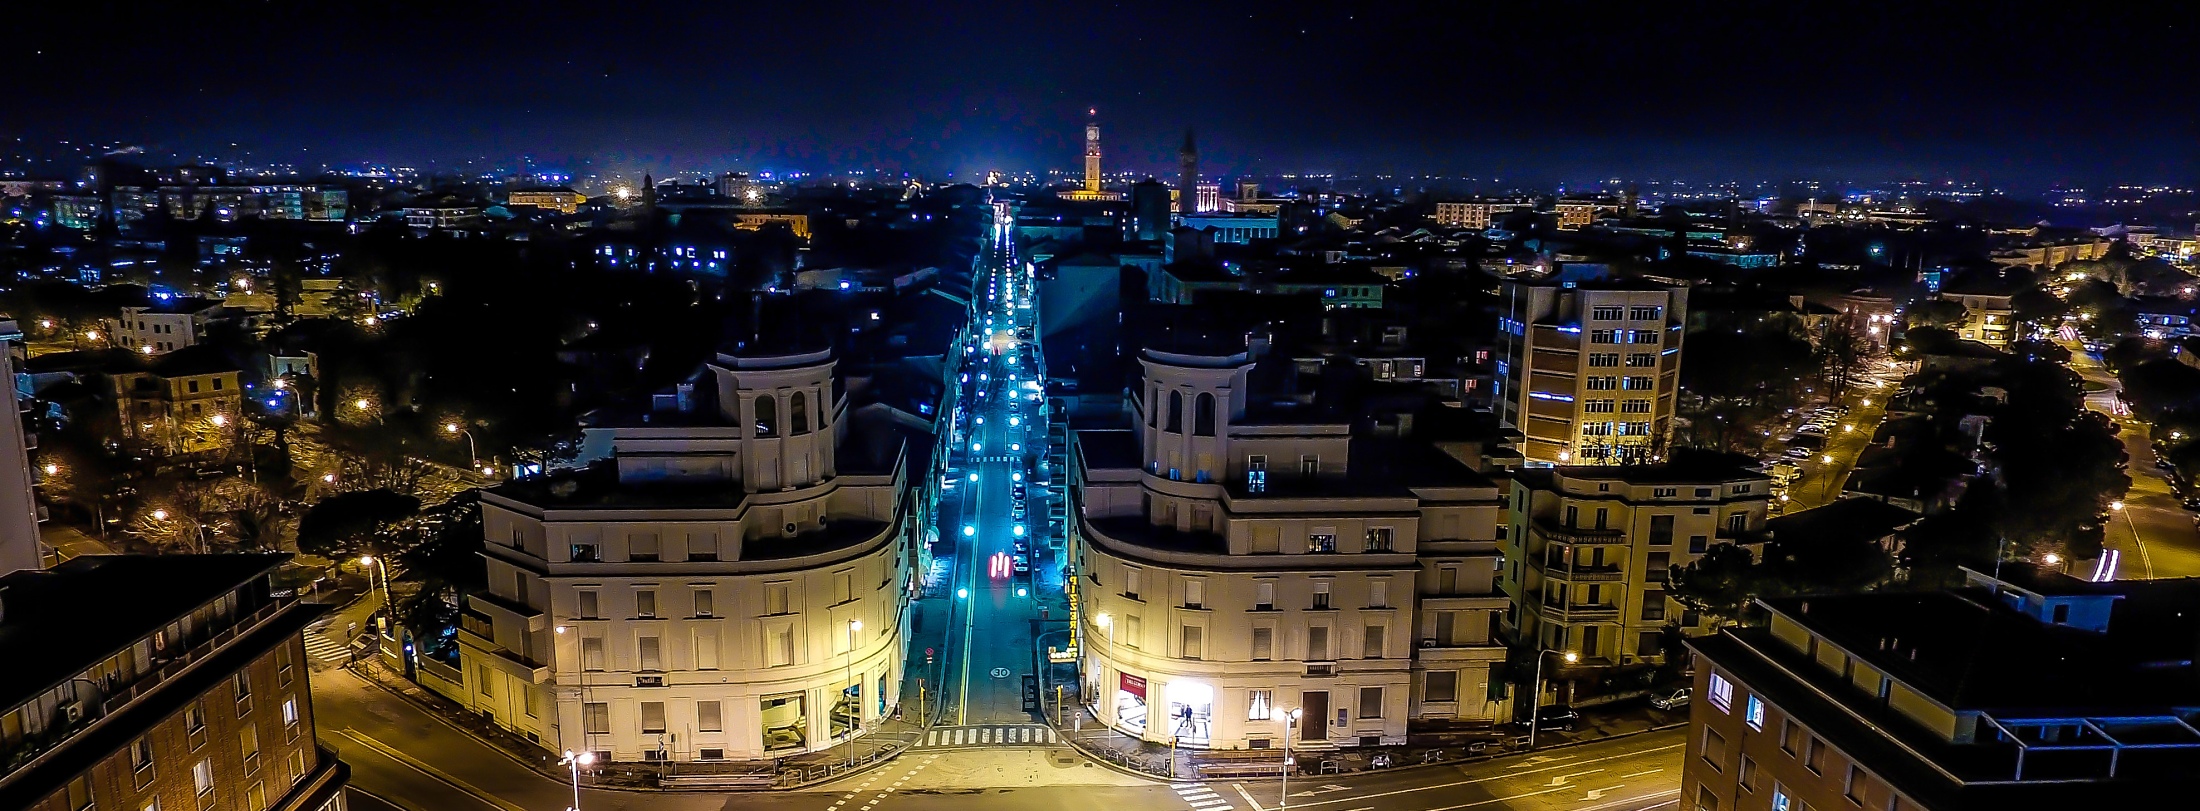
<point x="561" y="200"/>
<point x="1234" y="562"/>
<point x="2024" y="689"/>
<point x="1589" y="549"/>
<point x="733" y="585"/>
<point x="187" y="401"/>
<point x="165" y="326"/>
<point x="1477" y="214"/>
<point x="1589" y="370"/>
<point x="190" y="694"/>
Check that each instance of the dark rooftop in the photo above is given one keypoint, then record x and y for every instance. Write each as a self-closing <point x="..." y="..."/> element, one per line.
<point x="62" y="620"/>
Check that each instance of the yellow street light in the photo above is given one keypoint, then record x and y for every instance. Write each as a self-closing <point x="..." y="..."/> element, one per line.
<point x="1826" y="459"/>
<point x="52" y="468"/>
<point x="361" y="404"/>
<point x="450" y="428"/>
<point x="2051" y="559"/>
<point x="160" y="515"/>
<point x="1103" y="620"/>
<point x="218" y="420"/>
<point x="2115" y="505"/>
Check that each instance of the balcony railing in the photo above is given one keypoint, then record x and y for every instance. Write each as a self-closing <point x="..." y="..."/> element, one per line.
<point x="1577" y="535"/>
<point x="1582" y="574"/>
<point x="1580" y="613"/>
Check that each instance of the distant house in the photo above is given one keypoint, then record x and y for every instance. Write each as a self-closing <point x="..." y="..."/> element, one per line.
<point x="166" y="324"/>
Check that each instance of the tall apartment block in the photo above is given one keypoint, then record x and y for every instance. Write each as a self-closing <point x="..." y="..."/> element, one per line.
<point x="176" y="682"/>
<point x="1252" y="545"/>
<point x="734" y="584"/>
<point x="1590" y="549"/>
<point x="1589" y="368"/>
<point x="2026" y="689"/>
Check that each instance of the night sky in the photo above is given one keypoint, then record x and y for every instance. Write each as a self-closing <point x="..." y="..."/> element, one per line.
<point x="2075" y="92"/>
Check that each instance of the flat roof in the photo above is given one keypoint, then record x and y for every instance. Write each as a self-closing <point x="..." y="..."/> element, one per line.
<point x="62" y="620"/>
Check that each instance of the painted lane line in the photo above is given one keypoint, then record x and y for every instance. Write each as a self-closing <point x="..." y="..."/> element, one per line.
<point x="1248" y="796"/>
<point x="431" y="772"/>
<point x="1472" y="781"/>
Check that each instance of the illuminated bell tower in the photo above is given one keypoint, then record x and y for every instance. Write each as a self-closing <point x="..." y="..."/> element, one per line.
<point x="1092" y="153"/>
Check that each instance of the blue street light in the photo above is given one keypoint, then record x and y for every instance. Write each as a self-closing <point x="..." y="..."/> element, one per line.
<point x="973" y="477"/>
<point x="969" y="530"/>
<point x="1014" y="477"/>
<point x="1019" y="530"/>
<point x="1020" y="592"/>
<point x="962" y="594"/>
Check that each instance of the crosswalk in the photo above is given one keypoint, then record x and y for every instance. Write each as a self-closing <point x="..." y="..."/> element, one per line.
<point x="323" y="647"/>
<point x="1200" y="797"/>
<point x="998" y="735"/>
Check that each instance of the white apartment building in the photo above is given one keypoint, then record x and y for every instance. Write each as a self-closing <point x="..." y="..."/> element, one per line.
<point x="1477" y="213"/>
<point x="1240" y="554"/>
<point x="733" y="585"/>
<point x="1589" y="369"/>
<point x="166" y="326"/>
<point x="1590" y="549"/>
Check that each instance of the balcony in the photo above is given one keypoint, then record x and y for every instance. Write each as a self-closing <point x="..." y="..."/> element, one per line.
<point x="1550" y="530"/>
<point x="1578" y="573"/>
<point x="1580" y="613"/>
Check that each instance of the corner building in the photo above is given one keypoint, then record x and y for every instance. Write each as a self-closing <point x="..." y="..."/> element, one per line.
<point x="1246" y="549"/>
<point x="732" y="584"/>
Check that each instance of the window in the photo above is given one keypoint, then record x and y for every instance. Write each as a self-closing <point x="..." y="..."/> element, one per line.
<point x="1317" y="643"/>
<point x="1714" y="749"/>
<point x="1203" y="415"/>
<point x="592" y="653"/>
<point x="1378" y="539"/>
<point x="1635" y="407"/>
<point x="1642" y="336"/>
<point x="1606" y="313"/>
<point x="1658" y="567"/>
<point x="1258" y="705"/>
<point x="767" y="415"/>
<point x="1371" y="702"/>
<point x="588" y="605"/>
<point x="141" y="754"/>
<point x="642" y="546"/>
<point x="775" y="599"/>
<point x="1603" y="336"/>
<point x="710" y="754"/>
<point x="482" y="680"/>
<point x="1264" y="644"/>
<point x="779" y="647"/>
<point x="596" y="718"/>
<point x="585" y="553"/>
<point x="1748" y="780"/>
<point x="1852" y="785"/>
<point x="1603" y="360"/>
<point x="1754" y="714"/>
<point x="1264" y="595"/>
<point x="1321" y="595"/>
<point x="798" y="413"/>
<point x="532" y="702"/>
<point x="1697" y="544"/>
<point x="1195" y="593"/>
<point x="1638" y="383"/>
<point x="1321" y="541"/>
<point x="194" y="717"/>
<point x="1643" y="313"/>
<point x="248" y="742"/>
<point x="1604" y="383"/>
<point x="1442" y="685"/>
<point x="1256" y="473"/>
<point x="1791" y="738"/>
<point x="290" y="712"/>
<point x="243" y="683"/>
<point x="1372" y="642"/>
<point x="709" y="717"/>
<point x="1597" y="406"/>
<point x="645" y="603"/>
<point x="1661" y="526"/>
<point x="202" y="776"/>
<point x="1721" y="693"/>
<point x="1130" y="582"/>
<point x="1192" y="641"/>
<point x="1641" y="359"/>
<point x="703" y="546"/>
<point x="650" y="650"/>
<point x="1176" y="413"/>
<point x="653" y="717"/>
<point x="1706" y="799"/>
<point x="1653" y="606"/>
<point x="255" y="798"/>
<point x="1779" y="797"/>
<point x="1378" y="593"/>
<point x="1814" y="756"/>
<point x="1134" y="631"/>
<point x="704" y="603"/>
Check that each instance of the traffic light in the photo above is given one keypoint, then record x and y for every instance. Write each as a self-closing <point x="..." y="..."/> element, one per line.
<point x="1031" y="693"/>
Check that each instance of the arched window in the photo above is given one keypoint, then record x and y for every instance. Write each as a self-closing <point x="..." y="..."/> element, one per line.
<point x="1203" y="415"/>
<point x="798" y="408"/>
<point x="767" y="416"/>
<point x="1176" y="412"/>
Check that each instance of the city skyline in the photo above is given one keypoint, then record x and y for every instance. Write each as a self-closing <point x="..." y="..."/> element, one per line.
<point x="1485" y="94"/>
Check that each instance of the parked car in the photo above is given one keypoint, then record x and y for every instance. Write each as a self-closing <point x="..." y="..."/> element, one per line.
<point x="1558" y="716"/>
<point x="1672" y="699"/>
<point x="1798" y="453"/>
<point x="1022" y="565"/>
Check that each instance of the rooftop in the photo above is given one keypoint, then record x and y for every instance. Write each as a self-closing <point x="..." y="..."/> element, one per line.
<point x="59" y="621"/>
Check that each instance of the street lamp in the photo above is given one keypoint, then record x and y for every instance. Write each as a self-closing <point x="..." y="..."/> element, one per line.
<point x="370" y="563"/>
<point x="473" y="457"/>
<point x="855" y="715"/>
<point x="1535" y="713"/>
<point x="575" y="762"/>
<point x="1290" y="724"/>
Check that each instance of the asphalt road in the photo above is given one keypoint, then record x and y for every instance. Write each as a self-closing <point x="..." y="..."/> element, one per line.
<point x="990" y="645"/>
<point x="2153" y="532"/>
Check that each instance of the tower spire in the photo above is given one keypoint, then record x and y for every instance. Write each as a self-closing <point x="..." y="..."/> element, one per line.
<point x="1187" y="194"/>
<point x="1092" y="150"/>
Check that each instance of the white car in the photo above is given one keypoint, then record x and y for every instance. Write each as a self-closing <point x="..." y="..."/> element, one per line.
<point x="1672" y="699"/>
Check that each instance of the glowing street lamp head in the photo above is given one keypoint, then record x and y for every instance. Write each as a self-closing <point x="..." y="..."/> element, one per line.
<point x="1103" y="620"/>
<point x="450" y="428"/>
<point x="361" y="403"/>
<point x="160" y="515"/>
<point x="969" y="531"/>
<point x="1571" y="657"/>
<point x="855" y="625"/>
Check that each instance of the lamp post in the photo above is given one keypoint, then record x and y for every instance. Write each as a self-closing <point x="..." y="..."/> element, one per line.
<point x="575" y="762"/>
<point x="371" y="563"/>
<point x="1535" y="713"/>
<point x="1290" y="727"/>
<point x="855" y="716"/>
<point x="473" y="457"/>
